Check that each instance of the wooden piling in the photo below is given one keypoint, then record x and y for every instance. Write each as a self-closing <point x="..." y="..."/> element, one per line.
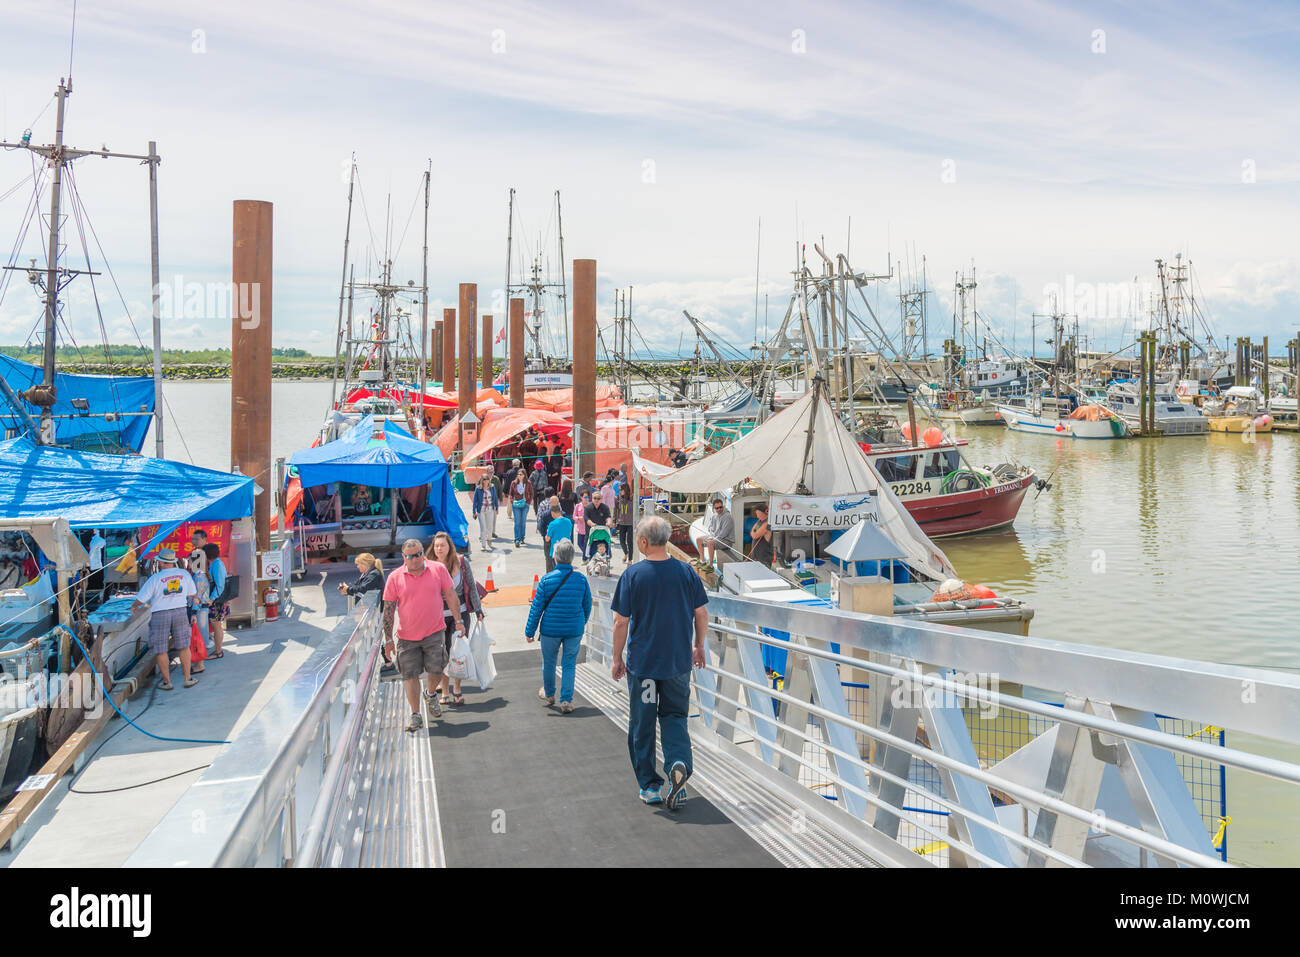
<point x="449" y="350"/>
<point x="250" y="354"/>
<point x="584" y="366"/>
<point x="468" y="314"/>
<point x="517" y="353"/>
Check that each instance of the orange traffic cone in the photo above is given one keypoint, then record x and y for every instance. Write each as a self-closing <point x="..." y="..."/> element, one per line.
<point x="490" y="585"/>
<point x="536" y="579"/>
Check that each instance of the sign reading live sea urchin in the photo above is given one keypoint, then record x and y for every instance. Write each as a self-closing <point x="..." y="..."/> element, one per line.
<point x="822" y="512"/>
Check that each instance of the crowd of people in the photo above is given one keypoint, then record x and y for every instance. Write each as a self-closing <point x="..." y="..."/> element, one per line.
<point x="659" y="610"/>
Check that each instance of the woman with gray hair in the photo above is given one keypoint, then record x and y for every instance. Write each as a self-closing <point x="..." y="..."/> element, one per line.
<point x="560" y="610"/>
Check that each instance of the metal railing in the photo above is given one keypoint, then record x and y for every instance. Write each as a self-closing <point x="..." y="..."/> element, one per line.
<point x="1099" y="780"/>
<point x="273" y="796"/>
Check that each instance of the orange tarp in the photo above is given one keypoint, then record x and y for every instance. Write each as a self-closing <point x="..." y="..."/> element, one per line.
<point x="561" y="400"/>
<point x="502" y="425"/>
<point x="1092" y="413"/>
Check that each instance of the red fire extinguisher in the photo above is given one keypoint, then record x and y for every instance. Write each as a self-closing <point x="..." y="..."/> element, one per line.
<point x="272" y="603"/>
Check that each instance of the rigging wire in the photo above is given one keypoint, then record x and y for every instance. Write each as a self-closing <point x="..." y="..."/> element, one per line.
<point x="409" y="217"/>
<point x="29" y="213"/>
<point x="134" y="329"/>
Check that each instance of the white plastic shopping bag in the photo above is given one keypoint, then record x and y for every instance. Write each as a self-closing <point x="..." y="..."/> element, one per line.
<point x="460" y="664"/>
<point x="480" y="643"/>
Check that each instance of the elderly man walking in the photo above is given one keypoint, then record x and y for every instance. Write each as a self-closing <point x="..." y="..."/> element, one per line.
<point x="414" y="596"/>
<point x="658" y="604"/>
<point x="166" y="593"/>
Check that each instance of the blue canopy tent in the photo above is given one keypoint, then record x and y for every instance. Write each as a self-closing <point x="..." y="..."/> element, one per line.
<point x="395" y="460"/>
<point x="84" y="429"/>
<point x="95" y="490"/>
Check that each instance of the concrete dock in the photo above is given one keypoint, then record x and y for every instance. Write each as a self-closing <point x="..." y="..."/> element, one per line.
<point x="110" y="807"/>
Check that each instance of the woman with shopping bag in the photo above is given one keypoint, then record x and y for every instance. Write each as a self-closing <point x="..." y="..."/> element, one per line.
<point x="560" y="611"/>
<point x="470" y="593"/>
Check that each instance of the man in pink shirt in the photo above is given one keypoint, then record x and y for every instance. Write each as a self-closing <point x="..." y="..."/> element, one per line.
<point x="414" y="595"/>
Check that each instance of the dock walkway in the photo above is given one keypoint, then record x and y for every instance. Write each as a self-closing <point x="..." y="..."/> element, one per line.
<point x="514" y="777"/>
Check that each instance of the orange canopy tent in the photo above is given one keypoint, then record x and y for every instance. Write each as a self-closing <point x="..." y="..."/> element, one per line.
<point x="502" y="425"/>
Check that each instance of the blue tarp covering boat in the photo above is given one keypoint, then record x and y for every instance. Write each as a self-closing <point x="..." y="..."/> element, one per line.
<point x="103" y="394"/>
<point x="393" y="460"/>
<point x="94" y="490"/>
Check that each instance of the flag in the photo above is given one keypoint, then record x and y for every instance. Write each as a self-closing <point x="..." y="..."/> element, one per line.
<point x="501" y="335"/>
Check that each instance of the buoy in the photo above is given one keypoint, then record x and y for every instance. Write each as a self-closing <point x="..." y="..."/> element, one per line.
<point x="982" y="591"/>
<point x="490" y="585"/>
<point x="907" y="432"/>
<point x="932" y="436"/>
<point x="1060" y="427"/>
<point x="534" y="594"/>
<point x="1263" y="420"/>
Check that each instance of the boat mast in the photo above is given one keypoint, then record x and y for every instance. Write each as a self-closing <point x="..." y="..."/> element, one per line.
<point x="564" y="288"/>
<point x="343" y="286"/>
<point x="510" y="235"/>
<point x="154" y="160"/>
<point x="424" y="300"/>
<point x="55" y="278"/>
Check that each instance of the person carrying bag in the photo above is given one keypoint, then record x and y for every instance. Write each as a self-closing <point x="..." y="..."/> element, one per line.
<point x="560" y="610"/>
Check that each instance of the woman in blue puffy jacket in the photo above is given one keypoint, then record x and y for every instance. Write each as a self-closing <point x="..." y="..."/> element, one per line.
<point x="560" y="610"/>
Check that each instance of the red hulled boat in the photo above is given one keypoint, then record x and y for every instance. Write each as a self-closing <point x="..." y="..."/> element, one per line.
<point x="944" y="495"/>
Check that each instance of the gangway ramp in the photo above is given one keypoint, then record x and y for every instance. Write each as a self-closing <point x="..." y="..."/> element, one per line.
<point x="523" y="785"/>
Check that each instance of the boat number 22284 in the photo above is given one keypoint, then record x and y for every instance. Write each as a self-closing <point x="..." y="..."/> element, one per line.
<point x="910" y="488"/>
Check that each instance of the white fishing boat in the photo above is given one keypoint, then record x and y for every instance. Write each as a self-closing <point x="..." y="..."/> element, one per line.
<point x="1063" y="417"/>
<point x="1173" y="417"/>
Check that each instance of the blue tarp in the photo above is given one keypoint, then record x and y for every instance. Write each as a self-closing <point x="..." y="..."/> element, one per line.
<point x="397" y="460"/>
<point x="94" y="490"/>
<point x="102" y="393"/>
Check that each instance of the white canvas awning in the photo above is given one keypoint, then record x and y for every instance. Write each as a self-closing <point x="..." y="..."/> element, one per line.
<point x="772" y="457"/>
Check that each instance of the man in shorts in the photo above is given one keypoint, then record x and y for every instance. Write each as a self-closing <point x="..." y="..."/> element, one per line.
<point x="414" y="596"/>
<point x="166" y="594"/>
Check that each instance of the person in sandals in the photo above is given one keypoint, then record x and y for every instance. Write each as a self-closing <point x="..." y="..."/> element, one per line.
<point x="166" y="594"/>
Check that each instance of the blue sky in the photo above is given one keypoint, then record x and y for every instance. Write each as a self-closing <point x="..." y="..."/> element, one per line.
<point x="1051" y="145"/>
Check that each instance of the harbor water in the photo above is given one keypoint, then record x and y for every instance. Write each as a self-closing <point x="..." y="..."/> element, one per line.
<point x="1187" y="546"/>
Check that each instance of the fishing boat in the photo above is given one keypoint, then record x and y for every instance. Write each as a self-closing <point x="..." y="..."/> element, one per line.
<point x="1239" y="409"/>
<point x="962" y="405"/>
<point x="944" y="494"/>
<point x="815" y="497"/>
<point x="1173" y="417"/>
<point x="1063" y="417"/>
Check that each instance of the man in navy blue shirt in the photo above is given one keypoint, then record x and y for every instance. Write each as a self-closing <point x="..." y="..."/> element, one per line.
<point x="657" y="605"/>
